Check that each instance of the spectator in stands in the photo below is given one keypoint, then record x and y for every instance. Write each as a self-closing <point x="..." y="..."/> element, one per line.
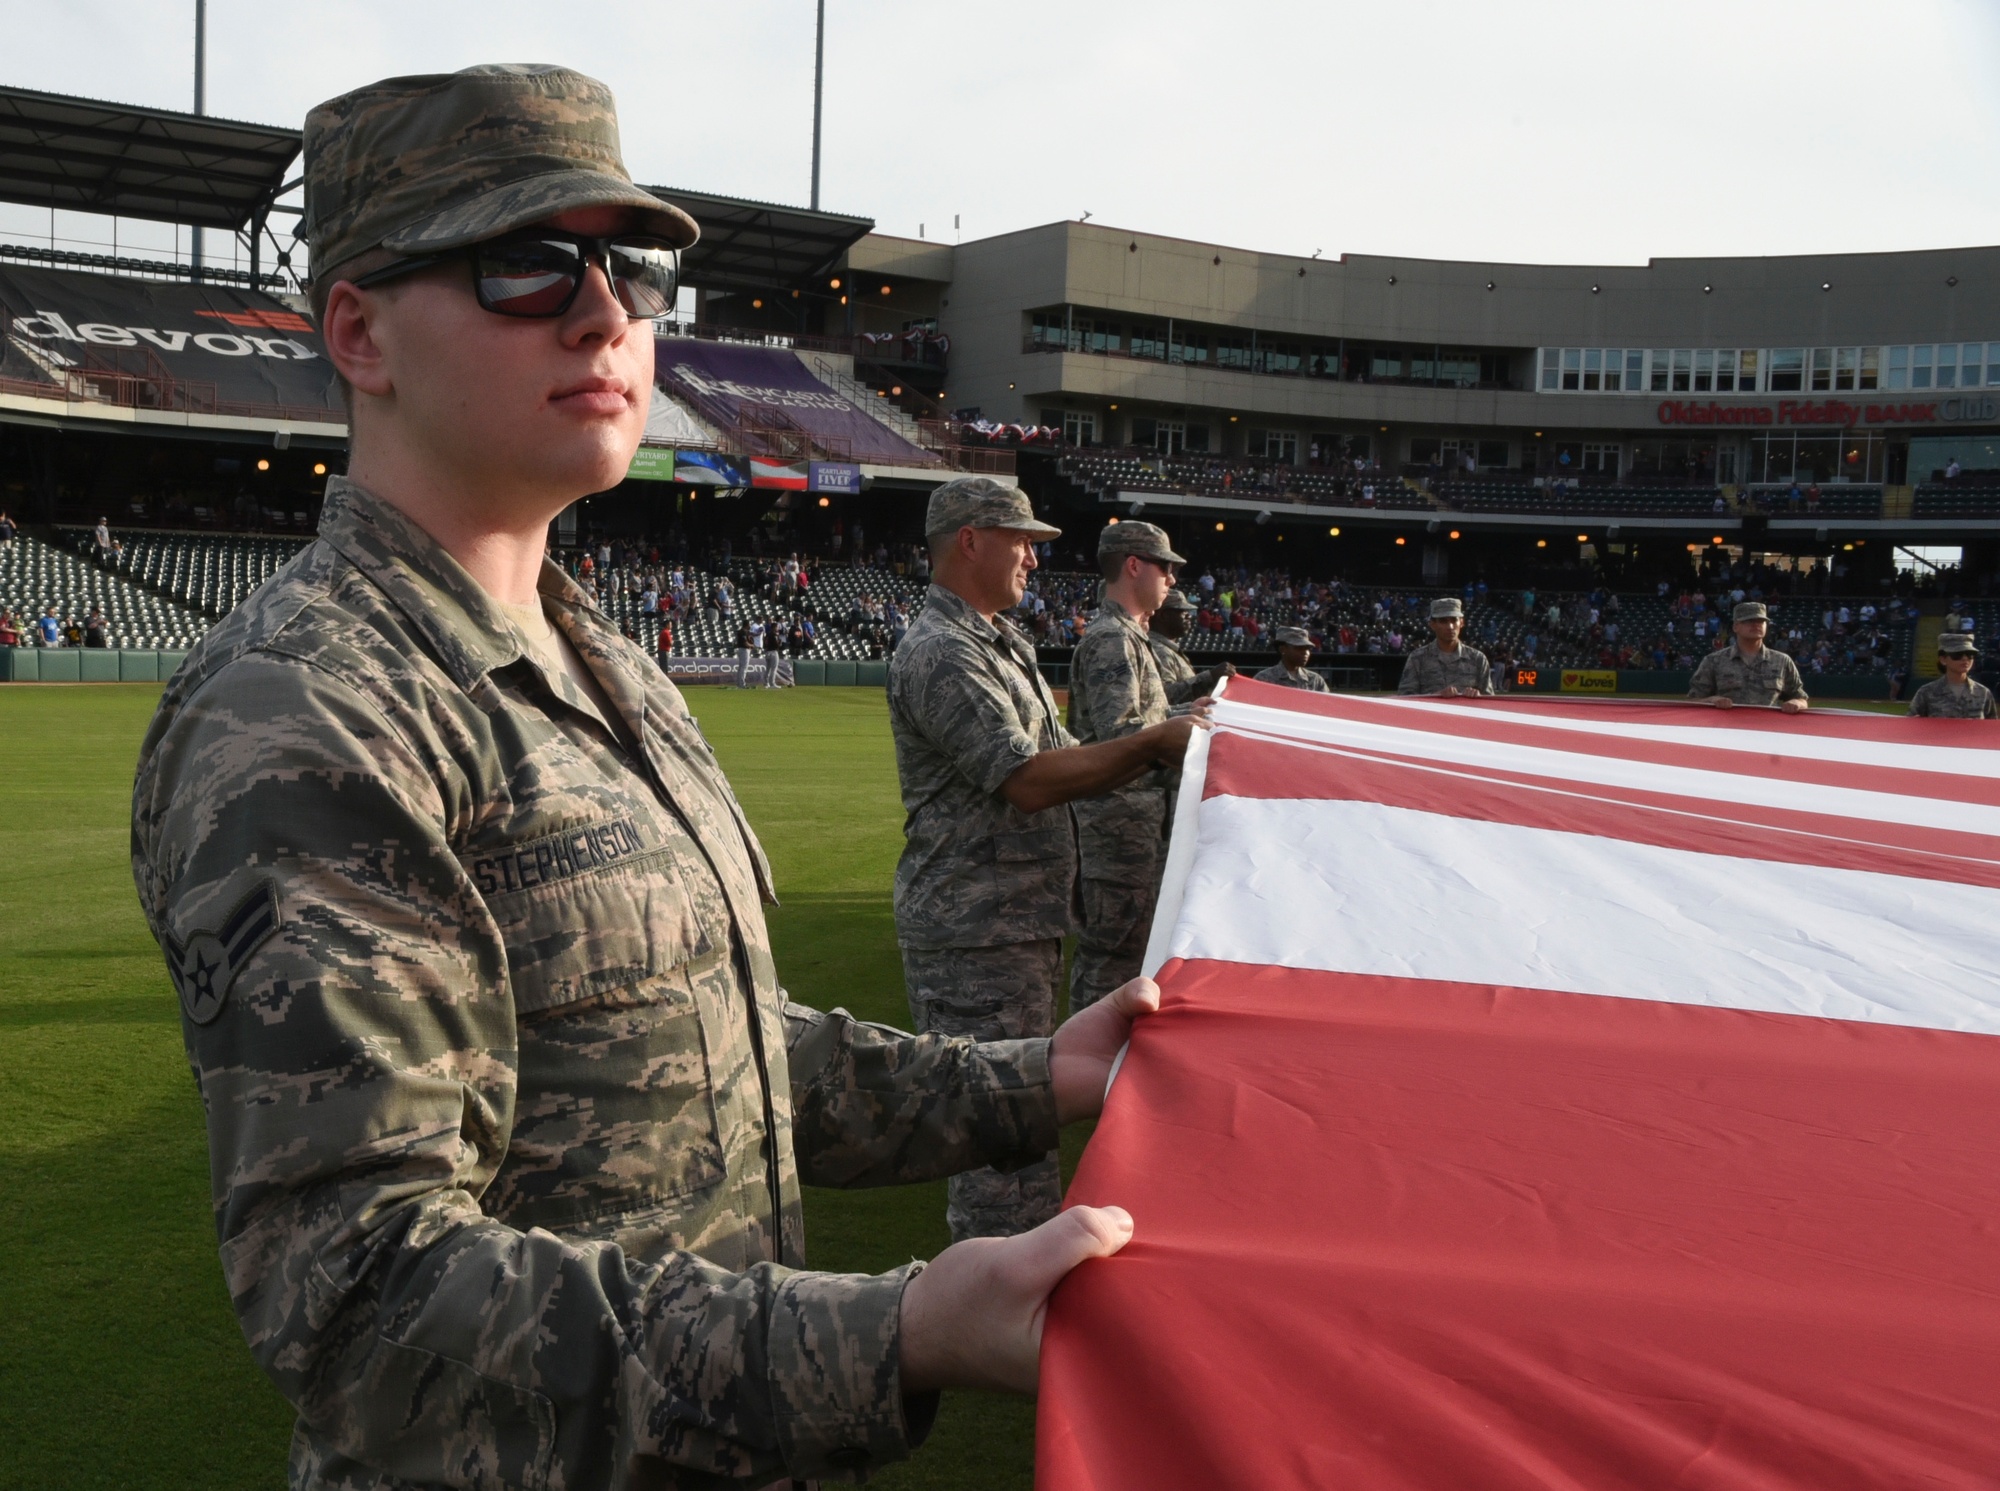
<point x="7" y="528"/>
<point x="10" y="631"/>
<point x="49" y="627"/>
<point x="665" y="646"/>
<point x="1951" y="471"/>
<point x="96" y="630"/>
<point x="72" y="631"/>
<point x="100" y="536"/>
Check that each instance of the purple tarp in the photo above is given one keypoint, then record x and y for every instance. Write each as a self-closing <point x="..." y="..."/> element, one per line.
<point x="731" y="384"/>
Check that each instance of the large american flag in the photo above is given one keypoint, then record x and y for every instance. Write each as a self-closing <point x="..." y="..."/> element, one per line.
<point x="1554" y="1094"/>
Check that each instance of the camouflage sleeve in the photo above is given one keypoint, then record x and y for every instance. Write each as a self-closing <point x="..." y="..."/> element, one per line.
<point x="357" y="1072"/>
<point x="1111" y="678"/>
<point x="1484" y="682"/>
<point x="1920" y="702"/>
<point x="969" y="718"/>
<point x="1702" y="685"/>
<point x="1790" y="684"/>
<point x="1412" y="679"/>
<point x="875" y="1106"/>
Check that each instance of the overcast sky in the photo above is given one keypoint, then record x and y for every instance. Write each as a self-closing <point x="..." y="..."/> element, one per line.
<point x="1531" y="130"/>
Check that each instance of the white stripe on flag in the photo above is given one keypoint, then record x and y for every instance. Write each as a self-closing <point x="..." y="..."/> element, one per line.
<point x="1358" y="887"/>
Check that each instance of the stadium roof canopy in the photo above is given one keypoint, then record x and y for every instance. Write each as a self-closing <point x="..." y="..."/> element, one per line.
<point x="749" y="245"/>
<point x="89" y="156"/>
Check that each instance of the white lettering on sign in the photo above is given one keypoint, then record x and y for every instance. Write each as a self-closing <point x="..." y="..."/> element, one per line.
<point x="47" y="326"/>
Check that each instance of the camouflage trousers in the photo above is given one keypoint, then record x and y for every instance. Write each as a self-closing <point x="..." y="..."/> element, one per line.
<point x="999" y="993"/>
<point x="1117" y="919"/>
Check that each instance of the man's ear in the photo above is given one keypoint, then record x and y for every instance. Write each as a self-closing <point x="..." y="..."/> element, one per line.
<point x="348" y="331"/>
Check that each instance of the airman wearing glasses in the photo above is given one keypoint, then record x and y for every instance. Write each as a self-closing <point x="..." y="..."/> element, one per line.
<point x="1957" y="695"/>
<point x="1115" y="689"/>
<point x="508" y="1109"/>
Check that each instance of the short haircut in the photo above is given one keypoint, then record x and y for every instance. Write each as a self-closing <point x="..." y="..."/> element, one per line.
<point x="1111" y="566"/>
<point x="320" y="286"/>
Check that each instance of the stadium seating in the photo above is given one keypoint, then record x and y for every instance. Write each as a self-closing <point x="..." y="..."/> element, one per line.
<point x="1955" y="500"/>
<point x="209" y="573"/>
<point x="35" y="576"/>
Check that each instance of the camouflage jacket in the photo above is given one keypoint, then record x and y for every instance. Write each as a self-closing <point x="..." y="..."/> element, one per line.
<point x="507" y="1110"/>
<point x="1114" y="690"/>
<point x="1184" y="684"/>
<point x="1764" y="679"/>
<point x="1939" y="700"/>
<point x="967" y="707"/>
<point x="1428" y="671"/>
<point x="1305" y="679"/>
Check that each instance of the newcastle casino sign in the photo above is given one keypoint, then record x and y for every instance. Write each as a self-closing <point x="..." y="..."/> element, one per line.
<point x="1970" y="408"/>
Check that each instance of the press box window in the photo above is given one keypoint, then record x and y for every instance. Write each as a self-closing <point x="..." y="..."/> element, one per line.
<point x="1788" y="367"/>
<point x="1822" y="370"/>
<point x="1899" y="369"/>
<point x="1920" y="365"/>
<point x="1080" y="429"/>
<point x="1572" y="369"/>
<point x="1551" y="369"/>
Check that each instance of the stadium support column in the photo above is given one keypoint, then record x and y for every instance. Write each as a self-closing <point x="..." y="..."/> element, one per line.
<point x="819" y="88"/>
<point x="200" y="106"/>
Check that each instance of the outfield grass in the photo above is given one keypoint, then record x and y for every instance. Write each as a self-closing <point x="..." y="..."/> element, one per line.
<point x="120" y="1363"/>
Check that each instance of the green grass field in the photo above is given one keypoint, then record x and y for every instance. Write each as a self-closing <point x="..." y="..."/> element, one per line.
<point x="120" y="1363"/>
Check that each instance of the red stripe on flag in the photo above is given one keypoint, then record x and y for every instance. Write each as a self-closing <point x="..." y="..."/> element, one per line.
<point x="1497" y="721"/>
<point x="1258" y="767"/>
<point x="1427" y="1237"/>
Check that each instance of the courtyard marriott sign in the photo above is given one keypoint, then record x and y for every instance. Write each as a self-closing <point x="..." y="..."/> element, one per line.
<point x="1966" y="409"/>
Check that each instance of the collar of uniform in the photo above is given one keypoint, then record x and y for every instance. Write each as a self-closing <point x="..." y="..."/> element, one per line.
<point x="468" y="632"/>
<point x="1108" y="609"/>
<point x="953" y="607"/>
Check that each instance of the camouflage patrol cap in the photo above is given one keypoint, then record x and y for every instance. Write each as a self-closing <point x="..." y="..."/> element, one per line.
<point x="982" y="502"/>
<point x="1750" y="611"/>
<point x="440" y="160"/>
<point x="1446" y="606"/>
<point x="1956" y="643"/>
<point x="1176" y="601"/>
<point x="1147" y="540"/>
<point x="1292" y="636"/>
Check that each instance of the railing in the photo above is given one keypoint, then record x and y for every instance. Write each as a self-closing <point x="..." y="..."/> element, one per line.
<point x="158" y="268"/>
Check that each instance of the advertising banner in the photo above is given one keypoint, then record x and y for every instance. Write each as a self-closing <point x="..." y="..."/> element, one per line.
<point x="651" y="463"/>
<point x="226" y="346"/>
<point x="723" y="670"/>
<point x="769" y="471"/>
<point x="730" y="384"/>
<point x="836" y="478"/>
<point x="1589" y="680"/>
<point x="707" y="468"/>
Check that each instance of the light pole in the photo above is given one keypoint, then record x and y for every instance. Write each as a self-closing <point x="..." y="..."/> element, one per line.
<point x="819" y="84"/>
<point x="200" y="101"/>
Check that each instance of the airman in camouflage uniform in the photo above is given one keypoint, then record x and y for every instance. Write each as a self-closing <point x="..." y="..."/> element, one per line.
<point x="507" y="1108"/>
<point x="1290" y="671"/>
<point x="986" y="887"/>
<point x="985" y="893"/>
<point x="1748" y="672"/>
<point x="1435" y="669"/>
<point x="1163" y="635"/>
<point x="1957" y="695"/>
<point x="1115" y="689"/>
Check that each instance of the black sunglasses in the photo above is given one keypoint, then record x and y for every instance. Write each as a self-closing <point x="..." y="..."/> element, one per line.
<point x="536" y="273"/>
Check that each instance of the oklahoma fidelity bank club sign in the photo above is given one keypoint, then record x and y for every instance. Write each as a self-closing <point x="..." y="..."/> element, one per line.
<point x="1963" y="409"/>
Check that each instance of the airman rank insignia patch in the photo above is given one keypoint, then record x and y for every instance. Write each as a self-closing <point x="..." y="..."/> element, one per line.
<point x="206" y="964"/>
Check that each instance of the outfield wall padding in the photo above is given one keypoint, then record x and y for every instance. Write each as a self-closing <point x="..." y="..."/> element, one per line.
<point x="808" y="671"/>
<point x="839" y="672"/>
<point x="136" y="666"/>
<point x="871" y="673"/>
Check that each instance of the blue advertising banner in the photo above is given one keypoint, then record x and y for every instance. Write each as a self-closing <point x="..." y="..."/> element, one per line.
<point x="836" y="477"/>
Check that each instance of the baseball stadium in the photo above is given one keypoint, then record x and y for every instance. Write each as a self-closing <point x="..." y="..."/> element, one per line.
<point x="1597" y="476"/>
